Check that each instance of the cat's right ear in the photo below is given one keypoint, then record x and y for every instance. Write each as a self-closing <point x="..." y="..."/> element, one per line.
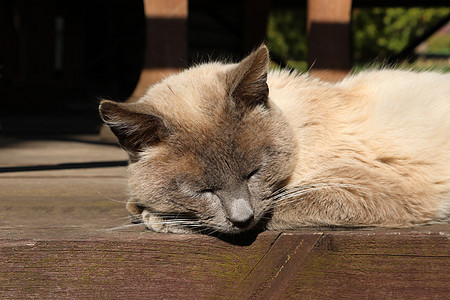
<point x="247" y="82"/>
<point x="134" y="128"/>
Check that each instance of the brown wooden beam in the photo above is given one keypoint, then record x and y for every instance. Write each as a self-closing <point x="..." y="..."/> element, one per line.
<point x="166" y="41"/>
<point x="386" y="264"/>
<point x="328" y="26"/>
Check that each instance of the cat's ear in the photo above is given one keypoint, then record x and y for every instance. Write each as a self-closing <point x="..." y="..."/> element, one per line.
<point x="133" y="127"/>
<point x="247" y="81"/>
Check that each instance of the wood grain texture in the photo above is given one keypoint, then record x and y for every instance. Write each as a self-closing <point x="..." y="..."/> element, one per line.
<point x="156" y="267"/>
<point x="381" y="265"/>
<point x="305" y="264"/>
<point x="275" y="271"/>
<point x="61" y="237"/>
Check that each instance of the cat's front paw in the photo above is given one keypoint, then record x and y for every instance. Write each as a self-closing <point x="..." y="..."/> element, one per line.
<point x="158" y="224"/>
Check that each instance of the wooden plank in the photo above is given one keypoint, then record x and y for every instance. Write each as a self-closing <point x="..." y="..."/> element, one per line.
<point x="328" y="276"/>
<point x="156" y="266"/>
<point x="384" y="265"/>
<point x="57" y="150"/>
<point x="328" y="26"/>
<point x="56" y="189"/>
<point x="166" y="41"/>
<point x="420" y="241"/>
<point x="43" y="208"/>
<point x="193" y="266"/>
<point x="275" y="271"/>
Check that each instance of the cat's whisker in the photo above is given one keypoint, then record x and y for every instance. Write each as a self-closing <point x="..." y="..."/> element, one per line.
<point x="127" y="217"/>
<point x="290" y="193"/>
<point x="280" y="198"/>
<point x="124" y="226"/>
<point x="317" y="185"/>
<point x="293" y="198"/>
<point x="109" y="198"/>
<point x="176" y="221"/>
<point x="298" y="193"/>
<point x="181" y="221"/>
<point x="211" y="231"/>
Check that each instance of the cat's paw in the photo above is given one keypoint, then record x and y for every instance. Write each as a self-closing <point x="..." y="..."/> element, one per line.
<point x="135" y="211"/>
<point x="158" y="224"/>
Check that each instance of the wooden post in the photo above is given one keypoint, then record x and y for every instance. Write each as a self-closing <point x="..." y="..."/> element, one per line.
<point x="329" y="38"/>
<point x="166" y="41"/>
<point x="165" y="46"/>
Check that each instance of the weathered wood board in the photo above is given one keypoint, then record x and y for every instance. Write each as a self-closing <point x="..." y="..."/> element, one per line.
<point x="309" y="264"/>
<point x="58" y="240"/>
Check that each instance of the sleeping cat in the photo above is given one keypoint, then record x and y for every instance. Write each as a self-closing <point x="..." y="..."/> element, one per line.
<point x="228" y="147"/>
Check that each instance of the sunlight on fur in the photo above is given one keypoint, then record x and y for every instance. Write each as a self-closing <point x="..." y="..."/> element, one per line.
<point x="227" y="148"/>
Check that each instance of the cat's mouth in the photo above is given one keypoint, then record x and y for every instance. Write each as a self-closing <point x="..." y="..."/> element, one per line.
<point x="254" y="224"/>
<point x="242" y="225"/>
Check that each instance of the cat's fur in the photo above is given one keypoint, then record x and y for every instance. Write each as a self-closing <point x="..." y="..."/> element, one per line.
<point x="224" y="147"/>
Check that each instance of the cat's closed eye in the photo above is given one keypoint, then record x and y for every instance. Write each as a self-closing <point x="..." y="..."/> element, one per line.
<point x="252" y="173"/>
<point x="206" y="192"/>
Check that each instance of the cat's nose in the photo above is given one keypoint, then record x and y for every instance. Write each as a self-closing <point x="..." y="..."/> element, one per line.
<point x="241" y="213"/>
<point x="242" y="223"/>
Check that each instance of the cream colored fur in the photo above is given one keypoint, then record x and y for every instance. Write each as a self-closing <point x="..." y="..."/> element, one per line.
<point x="371" y="150"/>
<point x="384" y="134"/>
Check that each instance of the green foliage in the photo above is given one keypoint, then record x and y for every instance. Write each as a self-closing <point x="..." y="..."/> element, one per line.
<point x="286" y="34"/>
<point x="383" y="32"/>
<point x="377" y="33"/>
<point x="439" y="45"/>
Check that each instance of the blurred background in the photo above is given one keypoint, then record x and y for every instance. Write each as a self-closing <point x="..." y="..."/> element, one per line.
<point x="58" y="58"/>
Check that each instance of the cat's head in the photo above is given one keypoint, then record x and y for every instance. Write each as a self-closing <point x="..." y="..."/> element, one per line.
<point x="207" y="147"/>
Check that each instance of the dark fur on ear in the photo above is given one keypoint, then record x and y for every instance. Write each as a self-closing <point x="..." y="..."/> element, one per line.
<point x="248" y="80"/>
<point x="134" y="128"/>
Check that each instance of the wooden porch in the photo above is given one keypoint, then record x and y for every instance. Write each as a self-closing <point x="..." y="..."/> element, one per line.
<point x="61" y="204"/>
<point x="64" y="229"/>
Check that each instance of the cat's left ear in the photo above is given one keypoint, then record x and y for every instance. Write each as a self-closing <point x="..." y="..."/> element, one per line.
<point x="133" y="126"/>
<point x="247" y="82"/>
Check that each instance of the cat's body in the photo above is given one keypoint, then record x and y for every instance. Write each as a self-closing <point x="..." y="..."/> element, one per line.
<point x="384" y="136"/>
<point x="225" y="147"/>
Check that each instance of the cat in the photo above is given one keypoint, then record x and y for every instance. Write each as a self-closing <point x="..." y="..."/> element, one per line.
<point x="224" y="148"/>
